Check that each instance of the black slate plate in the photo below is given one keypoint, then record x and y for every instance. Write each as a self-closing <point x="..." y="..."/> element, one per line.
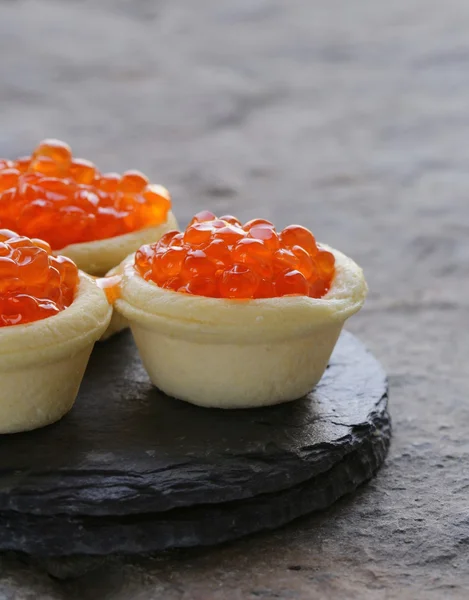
<point x="131" y="470"/>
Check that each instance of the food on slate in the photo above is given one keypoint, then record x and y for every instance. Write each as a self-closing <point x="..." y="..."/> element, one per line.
<point x="51" y="314"/>
<point x="232" y="316"/>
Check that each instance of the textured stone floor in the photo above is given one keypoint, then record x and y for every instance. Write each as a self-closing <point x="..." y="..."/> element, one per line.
<point x="351" y="117"/>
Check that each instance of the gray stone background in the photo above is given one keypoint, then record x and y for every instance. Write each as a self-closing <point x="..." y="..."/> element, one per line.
<point x="350" y="116"/>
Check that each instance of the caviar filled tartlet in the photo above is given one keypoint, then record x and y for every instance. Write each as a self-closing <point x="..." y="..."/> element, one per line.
<point x="51" y="314"/>
<point x="230" y="315"/>
<point x="94" y="218"/>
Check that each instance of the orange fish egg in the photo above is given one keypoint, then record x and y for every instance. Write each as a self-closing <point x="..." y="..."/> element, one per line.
<point x="238" y="282"/>
<point x="65" y="200"/>
<point x="267" y="235"/>
<point x="111" y="286"/>
<point x="220" y="258"/>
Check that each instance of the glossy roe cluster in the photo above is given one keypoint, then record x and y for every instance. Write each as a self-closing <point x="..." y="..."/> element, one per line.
<point x="64" y="200"/>
<point x="221" y="258"/>
<point x="33" y="283"/>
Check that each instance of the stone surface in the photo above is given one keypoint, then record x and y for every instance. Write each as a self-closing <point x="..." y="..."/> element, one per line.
<point x="130" y="470"/>
<point x="349" y="117"/>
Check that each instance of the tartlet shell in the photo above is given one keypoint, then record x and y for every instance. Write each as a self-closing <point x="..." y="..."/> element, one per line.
<point x="238" y="353"/>
<point x="42" y="363"/>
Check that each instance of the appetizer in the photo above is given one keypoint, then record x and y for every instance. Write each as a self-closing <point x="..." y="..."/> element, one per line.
<point x="234" y="316"/>
<point x="51" y="314"/>
<point x="94" y="218"/>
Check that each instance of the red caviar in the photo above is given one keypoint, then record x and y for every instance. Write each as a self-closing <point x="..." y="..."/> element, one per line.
<point x="65" y="200"/>
<point x="34" y="284"/>
<point x="111" y="286"/>
<point x="221" y="258"/>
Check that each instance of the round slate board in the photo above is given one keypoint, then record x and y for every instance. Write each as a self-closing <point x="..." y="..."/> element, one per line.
<point x="131" y="470"/>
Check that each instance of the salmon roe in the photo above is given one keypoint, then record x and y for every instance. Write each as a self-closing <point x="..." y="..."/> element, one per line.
<point x="33" y="283"/>
<point x="111" y="285"/>
<point x="65" y="200"/>
<point x="221" y="258"/>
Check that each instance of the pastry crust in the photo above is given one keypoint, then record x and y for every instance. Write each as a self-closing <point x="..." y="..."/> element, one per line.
<point x="98" y="257"/>
<point x="117" y="324"/>
<point x="239" y="353"/>
<point x="42" y="363"/>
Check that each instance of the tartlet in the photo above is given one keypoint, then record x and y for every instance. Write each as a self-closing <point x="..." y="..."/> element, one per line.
<point x="238" y="352"/>
<point x="51" y="315"/>
<point x="93" y="218"/>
